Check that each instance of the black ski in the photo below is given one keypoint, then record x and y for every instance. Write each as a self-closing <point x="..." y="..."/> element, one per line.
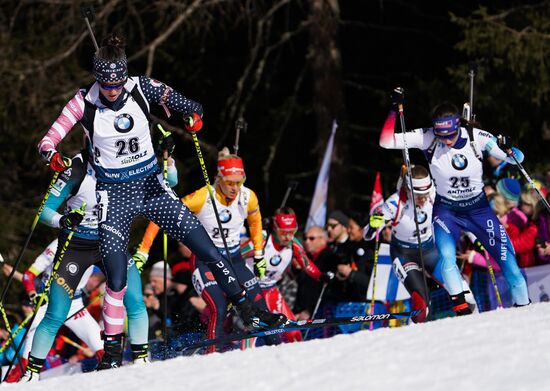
<point x="299" y="325"/>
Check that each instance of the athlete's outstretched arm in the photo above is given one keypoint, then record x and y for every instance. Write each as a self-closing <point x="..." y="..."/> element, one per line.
<point x="159" y="93"/>
<point x="418" y="138"/>
<point x="488" y="144"/>
<point x="300" y="256"/>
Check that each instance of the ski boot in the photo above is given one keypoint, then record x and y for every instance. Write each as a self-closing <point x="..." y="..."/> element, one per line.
<point x="420" y="305"/>
<point x="256" y="318"/>
<point x="140" y="354"/>
<point x="32" y="373"/>
<point x="460" y="306"/>
<point x="112" y="358"/>
<point x="522" y="305"/>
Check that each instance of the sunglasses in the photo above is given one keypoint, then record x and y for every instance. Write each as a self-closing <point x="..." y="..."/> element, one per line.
<point x="311" y="238"/>
<point x="448" y="136"/>
<point x="109" y="87"/>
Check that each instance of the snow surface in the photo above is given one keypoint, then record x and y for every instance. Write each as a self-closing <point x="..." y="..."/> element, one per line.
<point x="499" y="350"/>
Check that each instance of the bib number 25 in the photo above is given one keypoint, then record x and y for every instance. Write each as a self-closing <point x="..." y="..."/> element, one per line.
<point x="457" y="182"/>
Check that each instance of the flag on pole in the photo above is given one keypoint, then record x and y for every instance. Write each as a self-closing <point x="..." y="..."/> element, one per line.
<point x="377" y="199"/>
<point x="318" y="209"/>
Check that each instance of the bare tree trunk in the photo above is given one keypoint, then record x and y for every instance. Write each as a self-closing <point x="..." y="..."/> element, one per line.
<point x="328" y="95"/>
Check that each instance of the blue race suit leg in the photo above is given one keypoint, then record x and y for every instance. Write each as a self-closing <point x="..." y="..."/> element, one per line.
<point x="138" y="321"/>
<point x="446" y="235"/>
<point x="492" y="234"/>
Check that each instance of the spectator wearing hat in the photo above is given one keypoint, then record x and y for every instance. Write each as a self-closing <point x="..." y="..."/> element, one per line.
<point x="518" y="221"/>
<point x="338" y="239"/>
<point x="337" y="230"/>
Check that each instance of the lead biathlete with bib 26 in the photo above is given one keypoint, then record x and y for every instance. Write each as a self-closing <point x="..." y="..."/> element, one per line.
<point x="454" y="154"/>
<point x="114" y="112"/>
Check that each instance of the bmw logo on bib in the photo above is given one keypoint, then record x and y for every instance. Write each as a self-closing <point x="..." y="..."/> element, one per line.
<point x="275" y="260"/>
<point x="225" y="215"/>
<point x="421" y="215"/>
<point x="459" y="162"/>
<point x="124" y="123"/>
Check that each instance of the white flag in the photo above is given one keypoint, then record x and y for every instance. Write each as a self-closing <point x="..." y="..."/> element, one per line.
<point x="318" y="209"/>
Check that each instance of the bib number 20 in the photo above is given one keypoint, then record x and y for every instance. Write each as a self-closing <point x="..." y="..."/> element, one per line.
<point x="216" y="233"/>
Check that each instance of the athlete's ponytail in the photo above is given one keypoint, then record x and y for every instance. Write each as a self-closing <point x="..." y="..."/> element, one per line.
<point x="112" y="48"/>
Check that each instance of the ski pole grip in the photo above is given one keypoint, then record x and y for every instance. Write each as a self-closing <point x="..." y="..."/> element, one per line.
<point x="87" y="12"/>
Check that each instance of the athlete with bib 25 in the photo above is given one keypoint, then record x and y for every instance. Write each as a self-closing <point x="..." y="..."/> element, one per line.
<point x="454" y="154"/>
<point x="114" y="112"/>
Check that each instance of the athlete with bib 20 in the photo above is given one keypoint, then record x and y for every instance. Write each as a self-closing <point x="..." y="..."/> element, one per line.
<point x="454" y="154"/>
<point x="235" y="204"/>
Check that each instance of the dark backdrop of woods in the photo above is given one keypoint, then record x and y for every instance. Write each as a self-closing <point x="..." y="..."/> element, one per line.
<point x="288" y="67"/>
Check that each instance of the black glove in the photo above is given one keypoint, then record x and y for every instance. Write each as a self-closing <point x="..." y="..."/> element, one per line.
<point x="504" y="142"/>
<point x="166" y="143"/>
<point x="397" y="97"/>
<point x="71" y="219"/>
<point x="326" y="277"/>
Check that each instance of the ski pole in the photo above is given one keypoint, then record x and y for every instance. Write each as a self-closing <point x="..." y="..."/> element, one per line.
<point x="372" y="300"/>
<point x="14" y="334"/>
<point x="165" y="254"/>
<point x="493" y="278"/>
<point x="210" y="193"/>
<point x="317" y="306"/>
<point x="481" y="249"/>
<point x="292" y="185"/>
<point x="240" y="125"/>
<point x="87" y="12"/>
<point x="33" y="226"/>
<point x="409" y="174"/>
<point x="81" y="211"/>
<point x="472" y="74"/>
<point x="511" y="154"/>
